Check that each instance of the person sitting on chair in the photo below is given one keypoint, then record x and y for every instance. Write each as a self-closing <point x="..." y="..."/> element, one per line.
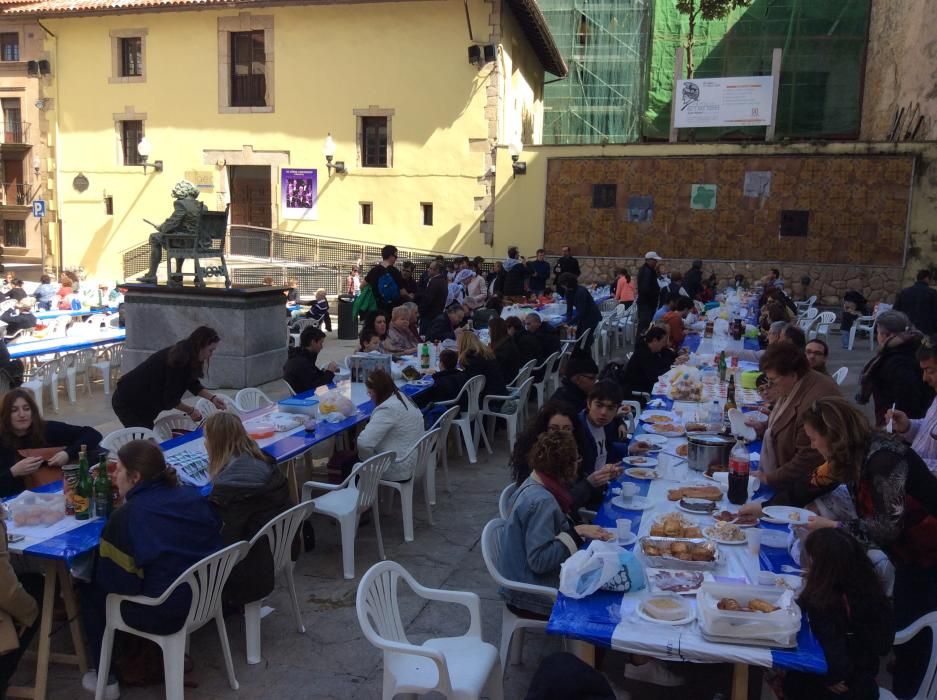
<point x="185" y="219"/>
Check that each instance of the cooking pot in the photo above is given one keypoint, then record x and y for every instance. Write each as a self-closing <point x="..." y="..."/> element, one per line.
<point x="706" y="450"/>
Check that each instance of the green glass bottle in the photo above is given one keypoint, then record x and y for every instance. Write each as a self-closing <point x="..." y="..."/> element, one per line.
<point x="722" y="366"/>
<point x="102" y="490"/>
<point x="83" y="490"/>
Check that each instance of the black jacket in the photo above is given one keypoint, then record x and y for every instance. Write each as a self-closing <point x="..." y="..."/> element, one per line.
<point x="375" y="274"/>
<point x="919" y="302"/>
<point x="693" y="282"/>
<point x="154" y="386"/>
<point x="509" y="358"/>
<point x="570" y="394"/>
<point x="512" y="281"/>
<point x="447" y="383"/>
<point x="491" y="371"/>
<point x="645" y="367"/>
<point x="17" y="293"/>
<point x="432" y="301"/>
<point x="582" y="310"/>
<point x="17" y="320"/>
<point x="70" y="437"/>
<point x="567" y="263"/>
<point x="893" y="377"/>
<point x="528" y="346"/>
<point x="548" y="340"/>
<point x="648" y="289"/>
<point x="441" y="328"/>
<point x="246" y="500"/>
<point x="301" y="373"/>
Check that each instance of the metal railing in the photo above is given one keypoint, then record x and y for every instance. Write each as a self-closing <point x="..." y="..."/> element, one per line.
<point x="16" y="193"/>
<point x="15" y="132"/>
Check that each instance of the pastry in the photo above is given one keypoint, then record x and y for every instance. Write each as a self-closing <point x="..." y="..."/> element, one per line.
<point x="682" y="450"/>
<point x="728" y="604"/>
<point x="710" y="493"/>
<point x="759" y="605"/>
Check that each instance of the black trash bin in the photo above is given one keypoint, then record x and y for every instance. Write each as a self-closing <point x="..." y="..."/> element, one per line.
<point x="347" y="323"/>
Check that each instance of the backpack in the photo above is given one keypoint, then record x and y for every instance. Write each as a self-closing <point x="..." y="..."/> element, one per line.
<point x="387" y="287"/>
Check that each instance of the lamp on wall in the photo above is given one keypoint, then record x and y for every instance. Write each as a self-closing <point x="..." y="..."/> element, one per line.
<point x="37" y="165"/>
<point x="328" y="150"/>
<point x="144" y="148"/>
<point x="515" y="149"/>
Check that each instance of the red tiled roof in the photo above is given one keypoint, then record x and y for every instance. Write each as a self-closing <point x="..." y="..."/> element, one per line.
<point x="527" y="12"/>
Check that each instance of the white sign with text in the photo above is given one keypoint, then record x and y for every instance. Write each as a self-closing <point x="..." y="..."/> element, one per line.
<point x="744" y="101"/>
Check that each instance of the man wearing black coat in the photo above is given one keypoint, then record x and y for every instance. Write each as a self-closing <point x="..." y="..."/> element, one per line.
<point x="581" y="309"/>
<point x="444" y="326"/>
<point x="514" y="275"/>
<point x="579" y="377"/>
<point x="566" y="263"/>
<point x="300" y="370"/>
<point x="919" y="303"/>
<point x="648" y="290"/>
<point x="447" y="382"/>
<point x="693" y="280"/>
<point x="432" y="300"/>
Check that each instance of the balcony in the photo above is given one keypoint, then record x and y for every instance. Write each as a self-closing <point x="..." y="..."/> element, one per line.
<point x="15" y="136"/>
<point x="16" y="194"/>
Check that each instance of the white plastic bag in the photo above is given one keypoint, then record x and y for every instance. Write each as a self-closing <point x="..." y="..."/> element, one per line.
<point x="600" y="564"/>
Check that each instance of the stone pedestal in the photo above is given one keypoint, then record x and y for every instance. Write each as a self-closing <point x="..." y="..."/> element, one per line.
<point x="251" y="322"/>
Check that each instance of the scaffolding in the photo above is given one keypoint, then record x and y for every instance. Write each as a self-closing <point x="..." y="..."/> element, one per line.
<point x="605" y="44"/>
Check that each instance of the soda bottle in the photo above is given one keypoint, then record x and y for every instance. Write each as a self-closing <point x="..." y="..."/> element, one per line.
<point x="739" y="467"/>
<point x="102" y="490"/>
<point x="424" y="356"/>
<point x="722" y="366"/>
<point x="83" y="494"/>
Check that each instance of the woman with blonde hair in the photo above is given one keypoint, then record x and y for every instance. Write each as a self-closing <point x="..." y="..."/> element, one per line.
<point x="248" y="490"/>
<point x="478" y="359"/>
<point x="400" y="338"/>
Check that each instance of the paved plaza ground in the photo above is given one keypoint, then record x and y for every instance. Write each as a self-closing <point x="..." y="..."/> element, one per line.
<point x="333" y="659"/>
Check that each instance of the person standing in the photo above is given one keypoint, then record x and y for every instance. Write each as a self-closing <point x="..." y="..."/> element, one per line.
<point x="919" y="303"/>
<point x="433" y="299"/>
<point x="409" y="282"/>
<point x="693" y="280"/>
<point x="386" y="282"/>
<point x="581" y="309"/>
<point x="539" y="273"/>
<point x="353" y="283"/>
<point x="625" y="292"/>
<point x="158" y="383"/>
<point x="648" y="290"/>
<point x="513" y="277"/>
<point x="566" y="263"/>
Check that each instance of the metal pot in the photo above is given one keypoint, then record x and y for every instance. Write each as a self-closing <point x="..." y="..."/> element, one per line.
<point x="706" y="450"/>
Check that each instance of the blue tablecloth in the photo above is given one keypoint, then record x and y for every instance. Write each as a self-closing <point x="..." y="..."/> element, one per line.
<point x="49" y="346"/>
<point x="49" y="315"/>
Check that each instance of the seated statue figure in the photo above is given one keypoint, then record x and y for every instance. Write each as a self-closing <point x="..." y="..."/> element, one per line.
<point x="185" y="219"/>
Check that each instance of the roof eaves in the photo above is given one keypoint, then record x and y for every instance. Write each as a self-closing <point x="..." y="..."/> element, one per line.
<point x="534" y="24"/>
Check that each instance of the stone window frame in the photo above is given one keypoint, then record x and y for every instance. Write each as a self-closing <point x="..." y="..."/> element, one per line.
<point x="361" y="217"/>
<point x="20" y="38"/>
<point x="129" y="114"/>
<point x="373" y="111"/>
<point x="244" y="22"/>
<point x="116" y="36"/>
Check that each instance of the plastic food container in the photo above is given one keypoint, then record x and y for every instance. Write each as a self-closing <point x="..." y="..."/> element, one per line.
<point x="37" y="508"/>
<point x="778" y="628"/>
<point x="305" y="407"/>
<point x="261" y="431"/>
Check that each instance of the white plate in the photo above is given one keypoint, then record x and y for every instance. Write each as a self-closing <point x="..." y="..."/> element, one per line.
<point x="786" y="515"/>
<point x="658" y="441"/>
<point x="654" y="430"/>
<point x="644" y="616"/>
<point x="631" y="539"/>
<point x="754" y="524"/>
<point x="636" y="503"/>
<point x="643" y="472"/>
<point x="640" y="461"/>
<point x="647" y="415"/>
<point x="707" y="532"/>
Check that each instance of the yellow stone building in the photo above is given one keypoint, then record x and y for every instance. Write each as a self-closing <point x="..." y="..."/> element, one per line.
<point x="240" y="97"/>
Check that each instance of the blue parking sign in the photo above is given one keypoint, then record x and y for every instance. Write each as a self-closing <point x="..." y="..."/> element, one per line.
<point x="39" y="208"/>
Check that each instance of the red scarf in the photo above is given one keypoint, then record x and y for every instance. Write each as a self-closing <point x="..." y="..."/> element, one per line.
<point x="558" y="491"/>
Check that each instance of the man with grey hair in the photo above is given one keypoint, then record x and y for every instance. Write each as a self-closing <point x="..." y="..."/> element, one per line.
<point x="547" y="338"/>
<point x="185" y="219"/>
<point x="433" y="299"/>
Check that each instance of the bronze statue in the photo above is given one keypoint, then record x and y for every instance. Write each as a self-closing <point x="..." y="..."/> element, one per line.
<point x="185" y="219"/>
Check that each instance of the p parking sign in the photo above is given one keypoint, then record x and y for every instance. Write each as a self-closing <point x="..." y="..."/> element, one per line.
<point x="39" y="208"/>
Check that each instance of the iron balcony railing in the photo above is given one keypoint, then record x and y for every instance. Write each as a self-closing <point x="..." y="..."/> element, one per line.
<point x="15" y="131"/>
<point x="17" y="193"/>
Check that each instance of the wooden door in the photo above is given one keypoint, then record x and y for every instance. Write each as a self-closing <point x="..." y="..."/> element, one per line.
<point x="251" y="196"/>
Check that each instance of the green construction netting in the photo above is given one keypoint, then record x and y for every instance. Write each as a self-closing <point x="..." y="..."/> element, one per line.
<point x="605" y="45"/>
<point x="621" y="55"/>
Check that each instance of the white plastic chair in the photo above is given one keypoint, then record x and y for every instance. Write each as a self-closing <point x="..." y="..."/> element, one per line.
<point x="441" y="453"/>
<point x="115" y="440"/>
<point x="629" y="322"/>
<point x="824" y="321"/>
<point x="279" y="534"/>
<point x="583" y="339"/>
<point x="467" y="420"/>
<point x="461" y="668"/>
<point x="78" y="366"/>
<point x="42" y="376"/>
<point x="928" y="688"/>
<point x="423" y="450"/>
<point x="348" y="500"/>
<point x="864" y="324"/>
<point x="107" y="362"/>
<point x="511" y="624"/>
<point x="206" y="579"/>
<point x="540" y="388"/>
<point x="522" y="374"/>
<point x="207" y="408"/>
<point x="504" y="500"/>
<point x="512" y="420"/>
<point x="804" y="305"/>
<point x="839" y="376"/>
<point x="807" y="323"/>
<point x="251" y="398"/>
<point x="298" y="326"/>
<point x="164" y="426"/>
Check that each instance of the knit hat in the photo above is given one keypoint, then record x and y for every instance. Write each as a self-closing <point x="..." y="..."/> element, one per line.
<point x="580" y="363"/>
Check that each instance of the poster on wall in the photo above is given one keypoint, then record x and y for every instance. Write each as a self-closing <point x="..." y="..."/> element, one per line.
<point x="757" y="184"/>
<point x="298" y="192"/>
<point x="703" y="197"/>
<point x="744" y="101"/>
<point x="640" y="209"/>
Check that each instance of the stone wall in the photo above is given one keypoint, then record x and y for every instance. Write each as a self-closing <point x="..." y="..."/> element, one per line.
<point x="828" y="282"/>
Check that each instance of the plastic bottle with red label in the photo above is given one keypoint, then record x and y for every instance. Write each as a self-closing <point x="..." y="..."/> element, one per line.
<point x="739" y="469"/>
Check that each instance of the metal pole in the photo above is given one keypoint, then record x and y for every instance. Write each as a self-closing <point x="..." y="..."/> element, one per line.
<point x="776" y="56"/>
<point x="678" y="61"/>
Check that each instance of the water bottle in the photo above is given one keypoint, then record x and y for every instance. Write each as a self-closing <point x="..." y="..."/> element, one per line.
<point x="715" y="416"/>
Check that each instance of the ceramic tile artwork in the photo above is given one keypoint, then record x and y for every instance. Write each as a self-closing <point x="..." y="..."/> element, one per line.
<point x="861" y="220"/>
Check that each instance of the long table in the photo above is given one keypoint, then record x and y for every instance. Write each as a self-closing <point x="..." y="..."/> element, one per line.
<point x="49" y="346"/>
<point x="58" y="313"/>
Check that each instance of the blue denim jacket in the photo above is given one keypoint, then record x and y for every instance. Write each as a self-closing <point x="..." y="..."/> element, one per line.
<point x="538" y="538"/>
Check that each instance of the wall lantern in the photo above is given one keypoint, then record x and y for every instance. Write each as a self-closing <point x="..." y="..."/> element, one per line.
<point x="515" y="149"/>
<point x="144" y="148"/>
<point x="37" y="164"/>
<point x="328" y="150"/>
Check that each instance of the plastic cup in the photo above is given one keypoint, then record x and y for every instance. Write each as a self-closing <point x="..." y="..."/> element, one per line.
<point x="628" y="492"/>
<point x="753" y="537"/>
<point x="623" y="529"/>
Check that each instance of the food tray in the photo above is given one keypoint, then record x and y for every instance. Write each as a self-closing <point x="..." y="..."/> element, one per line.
<point x="666" y="561"/>
<point x="777" y="628"/>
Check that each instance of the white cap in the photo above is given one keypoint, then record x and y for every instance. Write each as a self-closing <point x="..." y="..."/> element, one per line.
<point x="652" y="256"/>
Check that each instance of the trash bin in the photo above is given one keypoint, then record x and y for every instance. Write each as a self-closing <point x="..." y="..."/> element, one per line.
<point x="347" y="323"/>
